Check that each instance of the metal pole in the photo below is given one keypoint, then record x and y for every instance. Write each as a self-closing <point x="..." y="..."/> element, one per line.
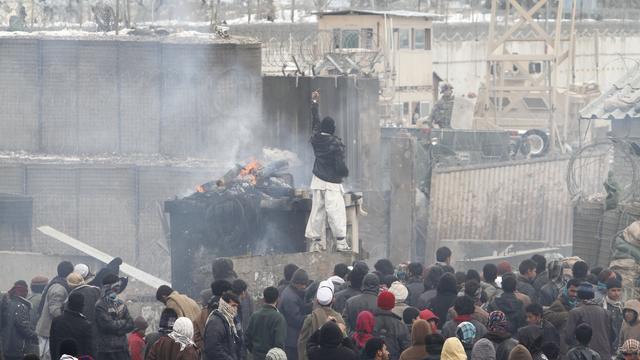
<point x="117" y="16"/>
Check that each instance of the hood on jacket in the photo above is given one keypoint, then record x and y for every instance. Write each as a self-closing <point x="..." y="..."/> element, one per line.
<point x="483" y="350"/>
<point x="222" y="268"/>
<point x="371" y="282"/>
<point x="531" y="337"/>
<point x="427" y="315"/>
<point x="453" y="350"/>
<point x="419" y="331"/>
<point x="520" y="353"/>
<point x="330" y="335"/>
<point x="447" y="284"/>
<point x="632" y="304"/>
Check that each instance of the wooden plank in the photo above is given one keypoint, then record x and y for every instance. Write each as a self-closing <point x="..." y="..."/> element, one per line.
<point x="134" y="272"/>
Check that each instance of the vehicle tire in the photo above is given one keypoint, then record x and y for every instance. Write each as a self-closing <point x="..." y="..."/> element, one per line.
<point x="538" y="142"/>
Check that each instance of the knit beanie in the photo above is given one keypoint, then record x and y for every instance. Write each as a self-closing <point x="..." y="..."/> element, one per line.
<point x="300" y="277"/>
<point x="520" y="353"/>
<point x="613" y="284"/>
<point x="82" y="269"/>
<point x="399" y="291"/>
<point x="140" y="323"/>
<point x="39" y="281"/>
<point x="630" y="346"/>
<point x="409" y="314"/>
<point x="586" y="291"/>
<point x="504" y="267"/>
<point x="276" y="354"/>
<point x="386" y="300"/>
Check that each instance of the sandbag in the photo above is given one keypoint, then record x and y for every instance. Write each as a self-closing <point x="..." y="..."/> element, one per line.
<point x="629" y="269"/>
<point x="632" y="233"/>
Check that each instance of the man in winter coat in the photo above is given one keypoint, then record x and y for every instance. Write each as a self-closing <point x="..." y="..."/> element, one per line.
<point x="508" y="303"/>
<point x="289" y="269"/>
<point x="294" y="309"/>
<point x="183" y="305"/>
<point x="221" y="340"/>
<point x="550" y="291"/>
<point x="218" y="287"/>
<point x="499" y="335"/>
<point x="526" y="277"/>
<point x="400" y="292"/>
<point x="447" y="293"/>
<point x="339" y="277"/>
<point x="319" y="316"/>
<point x="18" y="338"/>
<point x="329" y="342"/>
<point x="488" y="283"/>
<point x="531" y="337"/>
<point x="72" y="324"/>
<point x="631" y="326"/>
<point x="542" y="275"/>
<point x="430" y="283"/>
<point x="329" y="169"/>
<point x="112" y="321"/>
<point x="433" y="344"/>
<point x="52" y="305"/>
<point x="368" y="300"/>
<point x="582" y="350"/>
<point x="38" y="283"/>
<point x="91" y="295"/>
<point x="417" y="351"/>
<point x="389" y="326"/>
<point x="355" y="288"/>
<point x="589" y="312"/>
<point x="376" y="349"/>
<point x="535" y="318"/>
<point x="558" y="313"/>
<point x="415" y="283"/>
<point x="266" y="328"/>
<point x="464" y="308"/>
<point x="614" y="307"/>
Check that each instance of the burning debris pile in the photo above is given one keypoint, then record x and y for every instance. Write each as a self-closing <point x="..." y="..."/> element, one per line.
<point x="252" y="210"/>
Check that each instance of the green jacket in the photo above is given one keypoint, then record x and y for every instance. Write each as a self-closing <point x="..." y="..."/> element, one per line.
<point x="267" y="329"/>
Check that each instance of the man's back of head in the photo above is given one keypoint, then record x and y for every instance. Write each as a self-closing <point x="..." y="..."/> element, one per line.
<point x="583" y="334"/>
<point x="443" y="255"/>
<point x="270" y="295"/>
<point x="509" y="284"/>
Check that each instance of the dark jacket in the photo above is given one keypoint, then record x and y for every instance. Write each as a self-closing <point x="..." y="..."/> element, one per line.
<point x="425" y="298"/>
<point x="503" y="343"/>
<point x="393" y="331"/>
<point x="113" y="323"/>
<point x="91" y="296"/>
<point x="541" y="280"/>
<point x="598" y="318"/>
<point x="440" y="305"/>
<point x="266" y="329"/>
<point x="368" y="300"/>
<point x="525" y="286"/>
<point x="71" y="325"/>
<point x="220" y="343"/>
<point x="582" y="353"/>
<point x="616" y="317"/>
<point x="342" y="296"/>
<point x="328" y="343"/>
<point x="415" y="286"/>
<point x="512" y="308"/>
<point x="18" y="337"/>
<point x="294" y="310"/>
<point x="329" y="152"/>
<point x="548" y="293"/>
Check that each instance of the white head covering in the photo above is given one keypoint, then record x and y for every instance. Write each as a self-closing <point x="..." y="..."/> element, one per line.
<point x="184" y="327"/>
<point x="276" y="354"/>
<point x="81" y="269"/>
<point x="324" y="295"/>
<point x="399" y="291"/>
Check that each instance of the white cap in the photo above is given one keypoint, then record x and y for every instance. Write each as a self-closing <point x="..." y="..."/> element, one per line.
<point x="81" y="269"/>
<point x="399" y="291"/>
<point x="324" y="295"/>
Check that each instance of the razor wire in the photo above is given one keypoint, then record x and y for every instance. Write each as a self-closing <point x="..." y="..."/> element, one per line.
<point x="620" y="155"/>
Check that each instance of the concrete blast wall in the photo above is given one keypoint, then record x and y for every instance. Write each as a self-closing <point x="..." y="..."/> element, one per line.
<point x="89" y="96"/>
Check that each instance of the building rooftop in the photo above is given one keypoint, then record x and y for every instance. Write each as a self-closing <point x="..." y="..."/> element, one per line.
<point x="620" y="102"/>
<point x="395" y="13"/>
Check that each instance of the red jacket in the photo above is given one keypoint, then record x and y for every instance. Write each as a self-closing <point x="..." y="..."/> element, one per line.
<point x="136" y="346"/>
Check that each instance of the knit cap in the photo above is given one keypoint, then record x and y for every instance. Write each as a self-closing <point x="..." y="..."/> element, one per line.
<point x="300" y="277"/>
<point x="386" y="300"/>
<point x="630" y="346"/>
<point x="39" y="280"/>
<point x="586" y="291"/>
<point x="74" y="280"/>
<point x="399" y="291"/>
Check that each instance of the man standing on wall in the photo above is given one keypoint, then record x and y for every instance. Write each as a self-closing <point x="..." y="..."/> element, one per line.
<point x="329" y="169"/>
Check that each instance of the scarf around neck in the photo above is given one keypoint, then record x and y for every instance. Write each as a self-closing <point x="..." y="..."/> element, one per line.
<point x="184" y="341"/>
<point x="229" y="313"/>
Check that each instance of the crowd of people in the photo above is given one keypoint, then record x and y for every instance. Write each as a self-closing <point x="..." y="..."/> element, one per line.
<point x="542" y="310"/>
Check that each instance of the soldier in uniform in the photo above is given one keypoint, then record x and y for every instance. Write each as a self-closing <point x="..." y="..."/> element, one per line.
<point x="441" y="113"/>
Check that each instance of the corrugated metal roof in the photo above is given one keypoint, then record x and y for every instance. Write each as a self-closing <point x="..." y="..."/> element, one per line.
<point x="622" y="101"/>
<point x="398" y="13"/>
